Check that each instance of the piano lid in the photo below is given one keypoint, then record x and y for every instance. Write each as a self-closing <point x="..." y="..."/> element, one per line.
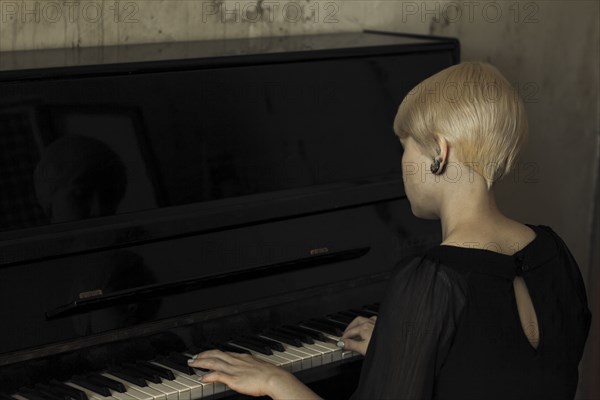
<point x="211" y="52"/>
<point x="116" y="146"/>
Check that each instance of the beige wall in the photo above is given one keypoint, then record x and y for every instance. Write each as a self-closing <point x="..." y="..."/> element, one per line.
<point x="548" y="49"/>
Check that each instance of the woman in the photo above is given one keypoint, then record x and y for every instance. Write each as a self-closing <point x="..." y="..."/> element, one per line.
<point x="498" y="310"/>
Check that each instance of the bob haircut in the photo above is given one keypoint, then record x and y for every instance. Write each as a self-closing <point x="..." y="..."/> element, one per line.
<point x="475" y="109"/>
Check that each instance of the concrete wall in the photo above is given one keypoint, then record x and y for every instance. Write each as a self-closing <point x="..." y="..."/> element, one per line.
<point x="548" y="49"/>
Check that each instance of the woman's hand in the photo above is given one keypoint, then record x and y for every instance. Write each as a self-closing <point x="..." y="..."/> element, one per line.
<point x="357" y="335"/>
<point x="248" y="375"/>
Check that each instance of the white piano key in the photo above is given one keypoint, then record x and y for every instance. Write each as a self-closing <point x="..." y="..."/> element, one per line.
<point x="273" y="359"/>
<point x="169" y="392"/>
<point x="310" y="354"/>
<point x="306" y="359"/>
<point x="325" y="352"/>
<point x="343" y="354"/>
<point x="182" y="391"/>
<point x="335" y="351"/>
<point x="197" y="389"/>
<point x="128" y="385"/>
<point x="134" y="395"/>
<point x="312" y="358"/>
<point x="294" y="359"/>
<point x="346" y="354"/>
<point x="218" y="387"/>
<point x="294" y="363"/>
<point x="316" y="352"/>
<point x="122" y="396"/>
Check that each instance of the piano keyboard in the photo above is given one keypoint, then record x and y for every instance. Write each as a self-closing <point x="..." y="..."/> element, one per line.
<point x="296" y="348"/>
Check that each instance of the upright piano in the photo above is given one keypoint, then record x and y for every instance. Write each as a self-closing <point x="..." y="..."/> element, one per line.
<point x="159" y="200"/>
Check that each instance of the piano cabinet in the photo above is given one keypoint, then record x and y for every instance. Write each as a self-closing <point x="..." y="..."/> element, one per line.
<point x="157" y="200"/>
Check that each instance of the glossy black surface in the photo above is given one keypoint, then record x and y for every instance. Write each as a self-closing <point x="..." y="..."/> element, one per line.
<point x="198" y="199"/>
<point x="92" y="147"/>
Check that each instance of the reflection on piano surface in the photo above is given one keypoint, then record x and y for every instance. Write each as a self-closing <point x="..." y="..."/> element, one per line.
<point x="154" y="207"/>
<point x="79" y="177"/>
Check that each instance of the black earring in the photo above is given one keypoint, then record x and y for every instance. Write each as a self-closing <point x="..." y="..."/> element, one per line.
<point x="435" y="167"/>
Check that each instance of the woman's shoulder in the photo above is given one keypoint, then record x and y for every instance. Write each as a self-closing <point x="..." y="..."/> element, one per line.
<point x="545" y="248"/>
<point x="424" y="270"/>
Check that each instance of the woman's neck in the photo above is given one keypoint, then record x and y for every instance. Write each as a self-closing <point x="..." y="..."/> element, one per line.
<point x="469" y="215"/>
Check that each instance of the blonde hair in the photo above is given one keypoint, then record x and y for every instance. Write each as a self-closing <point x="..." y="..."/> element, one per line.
<point x="475" y="109"/>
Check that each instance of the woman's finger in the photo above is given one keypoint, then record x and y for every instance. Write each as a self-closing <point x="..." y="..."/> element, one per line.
<point x="216" y="376"/>
<point x="359" y="330"/>
<point x="351" y="332"/>
<point x="211" y="363"/>
<point x="240" y="356"/>
<point x="243" y="373"/>
<point x="208" y="354"/>
<point x="355" y="345"/>
<point x="221" y="355"/>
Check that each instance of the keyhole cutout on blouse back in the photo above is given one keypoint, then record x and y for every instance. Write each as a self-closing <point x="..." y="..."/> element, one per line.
<point x="529" y="322"/>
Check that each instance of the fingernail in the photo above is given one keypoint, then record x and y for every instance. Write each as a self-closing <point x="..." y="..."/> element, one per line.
<point x="340" y="344"/>
<point x="190" y="361"/>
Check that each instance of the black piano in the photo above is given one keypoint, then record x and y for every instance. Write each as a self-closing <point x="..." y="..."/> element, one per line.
<point x="159" y="200"/>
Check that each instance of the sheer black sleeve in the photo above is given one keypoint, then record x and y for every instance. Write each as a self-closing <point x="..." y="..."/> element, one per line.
<point x="413" y="333"/>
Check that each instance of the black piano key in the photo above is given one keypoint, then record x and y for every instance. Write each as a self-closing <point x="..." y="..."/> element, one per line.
<point x="186" y="369"/>
<point x="68" y="390"/>
<point x="230" y="348"/>
<point x="350" y="314"/>
<point x="142" y="372"/>
<point x="51" y="392"/>
<point x="253" y="345"/>
<point x="178" y="358"/>
<point x="128" y="376"/>
<point x="365" y="313"/>
<point x="313" y="334"/>
<point x="282" y="337"/>
<point x="102" y="380"/>
<point x="6" y="397"/>
<point x="197" y="350"/>
<point x="341" y="318"/>
<point x="160" y="371"/>
<point x="31" y="394"/>
<point x="268" y="342"/>
<point x="297" y="335"/>
<point x="373" y="308"/>
<point x="334" y="324"/>
<point x="332" y="330"/>
<point x="87" y="384"/>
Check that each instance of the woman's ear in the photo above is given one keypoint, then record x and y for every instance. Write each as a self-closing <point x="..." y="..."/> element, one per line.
<point x="442" y="152"/>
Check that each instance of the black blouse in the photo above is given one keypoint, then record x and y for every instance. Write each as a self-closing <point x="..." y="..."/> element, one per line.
<point x="449" y="328"/>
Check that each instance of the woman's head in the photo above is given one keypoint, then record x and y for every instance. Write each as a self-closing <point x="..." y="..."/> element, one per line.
<point x="79" y="177"/>
<point x="475" y="110"/>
